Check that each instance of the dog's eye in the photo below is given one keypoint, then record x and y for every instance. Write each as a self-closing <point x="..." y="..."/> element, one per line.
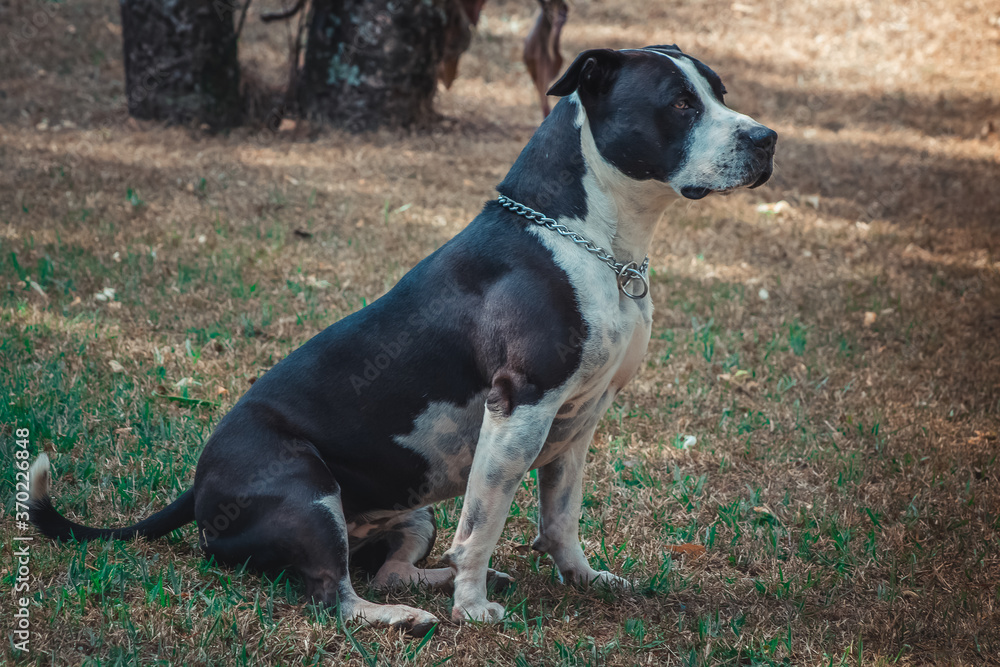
<point x="681" y="104"/>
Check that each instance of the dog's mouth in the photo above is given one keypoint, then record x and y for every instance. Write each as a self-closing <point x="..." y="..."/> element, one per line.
<point x="757" y="178"/>
<point x="764" y="177"/>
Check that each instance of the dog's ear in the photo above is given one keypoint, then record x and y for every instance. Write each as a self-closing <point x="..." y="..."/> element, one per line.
<point x="664" y="47"/>
<point x="593" y="70"/>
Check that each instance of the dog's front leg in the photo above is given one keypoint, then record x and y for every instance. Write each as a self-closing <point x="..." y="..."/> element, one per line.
<point x="508" y="444"/>
<point x="560" y="499"/>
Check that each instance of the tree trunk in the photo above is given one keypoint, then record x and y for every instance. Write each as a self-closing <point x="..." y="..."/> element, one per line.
<point x="372" y="63"/>
<point x="180" y="61"/>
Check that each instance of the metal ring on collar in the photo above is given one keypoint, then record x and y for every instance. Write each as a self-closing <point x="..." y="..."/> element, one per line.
<point x="624" y="273"/>
<point x="628" y="273"/>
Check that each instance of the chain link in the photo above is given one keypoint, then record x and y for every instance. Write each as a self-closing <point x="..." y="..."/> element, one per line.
<point x="625" y="273"/>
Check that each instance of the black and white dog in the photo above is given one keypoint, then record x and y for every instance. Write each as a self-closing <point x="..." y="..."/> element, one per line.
<point x="497" y="354"/>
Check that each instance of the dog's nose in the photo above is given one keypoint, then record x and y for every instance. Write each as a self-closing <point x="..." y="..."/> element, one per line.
<point x="763" y="138"/>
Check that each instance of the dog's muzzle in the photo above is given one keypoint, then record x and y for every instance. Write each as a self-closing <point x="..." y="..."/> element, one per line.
<point x="762" y="141"/>
<point x="757" y="144"/>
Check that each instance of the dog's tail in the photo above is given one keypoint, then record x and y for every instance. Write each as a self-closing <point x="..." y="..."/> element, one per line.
<point x="53" y="524"/>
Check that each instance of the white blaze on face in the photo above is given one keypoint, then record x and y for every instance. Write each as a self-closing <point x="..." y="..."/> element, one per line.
<point x="716" y="159"/>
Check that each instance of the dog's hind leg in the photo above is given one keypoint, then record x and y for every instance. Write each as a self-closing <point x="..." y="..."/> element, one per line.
<point x="302" y="530"/>
<point x="332" y="585"/>
<point x="410" y="539"/>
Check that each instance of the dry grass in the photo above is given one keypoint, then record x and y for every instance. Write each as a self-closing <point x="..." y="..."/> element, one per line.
<point x="845" y="477"/>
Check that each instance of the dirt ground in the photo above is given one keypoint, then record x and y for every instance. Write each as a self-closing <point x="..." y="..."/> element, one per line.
<point x="819" y="407"/>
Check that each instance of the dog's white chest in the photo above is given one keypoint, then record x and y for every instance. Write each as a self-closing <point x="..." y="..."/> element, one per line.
<point x="636" y="347"/>
<point x="618" y="331"/>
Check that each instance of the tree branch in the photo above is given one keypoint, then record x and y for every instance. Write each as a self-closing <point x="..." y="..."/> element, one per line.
<point x="243" y="18"/>
<point x="283" y="14"/>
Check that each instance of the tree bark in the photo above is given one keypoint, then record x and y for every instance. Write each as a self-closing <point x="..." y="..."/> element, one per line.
<point x="180" y="61"/>
<point x="372" y="63"/>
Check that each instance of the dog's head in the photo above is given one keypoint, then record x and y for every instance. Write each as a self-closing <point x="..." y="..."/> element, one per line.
<point x="657" y="113"/>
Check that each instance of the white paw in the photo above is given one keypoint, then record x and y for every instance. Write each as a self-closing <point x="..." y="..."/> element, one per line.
<point x="613" y="581"/>
<point x="599" y="578"/>
<point x="483" y="612"/>
<point x="395" y="576"/>
<point x="411" y="620"/>
<point x="498" y="581"/>
<point x="416" y="624"/>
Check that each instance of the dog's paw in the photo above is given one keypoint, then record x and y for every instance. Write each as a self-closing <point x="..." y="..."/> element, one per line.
<point x="417" y="623"/>
<point x="497" y="581"/>
<point x="609" y="580"/>
<point x="411" y="620"/>
<point x="394" y="576"/>
<point x="598" y="578"/>
<point x="483" y="612"/>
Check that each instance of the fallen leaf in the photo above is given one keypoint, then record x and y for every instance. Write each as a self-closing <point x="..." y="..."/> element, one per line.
<point x="982" y="437"/>
<point x="116" y="367"/>
<point x="312" y="281"/>
<point x="691" y="551"/>
<point x="776" y="208"/>
<point x="38" y="288"/>
<point x="106" y="294"/>
<point x="184" y="400"/>
<point x="737" y="377"/>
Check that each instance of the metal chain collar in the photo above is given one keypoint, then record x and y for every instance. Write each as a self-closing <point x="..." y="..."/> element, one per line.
<point x="625" y="273"/>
